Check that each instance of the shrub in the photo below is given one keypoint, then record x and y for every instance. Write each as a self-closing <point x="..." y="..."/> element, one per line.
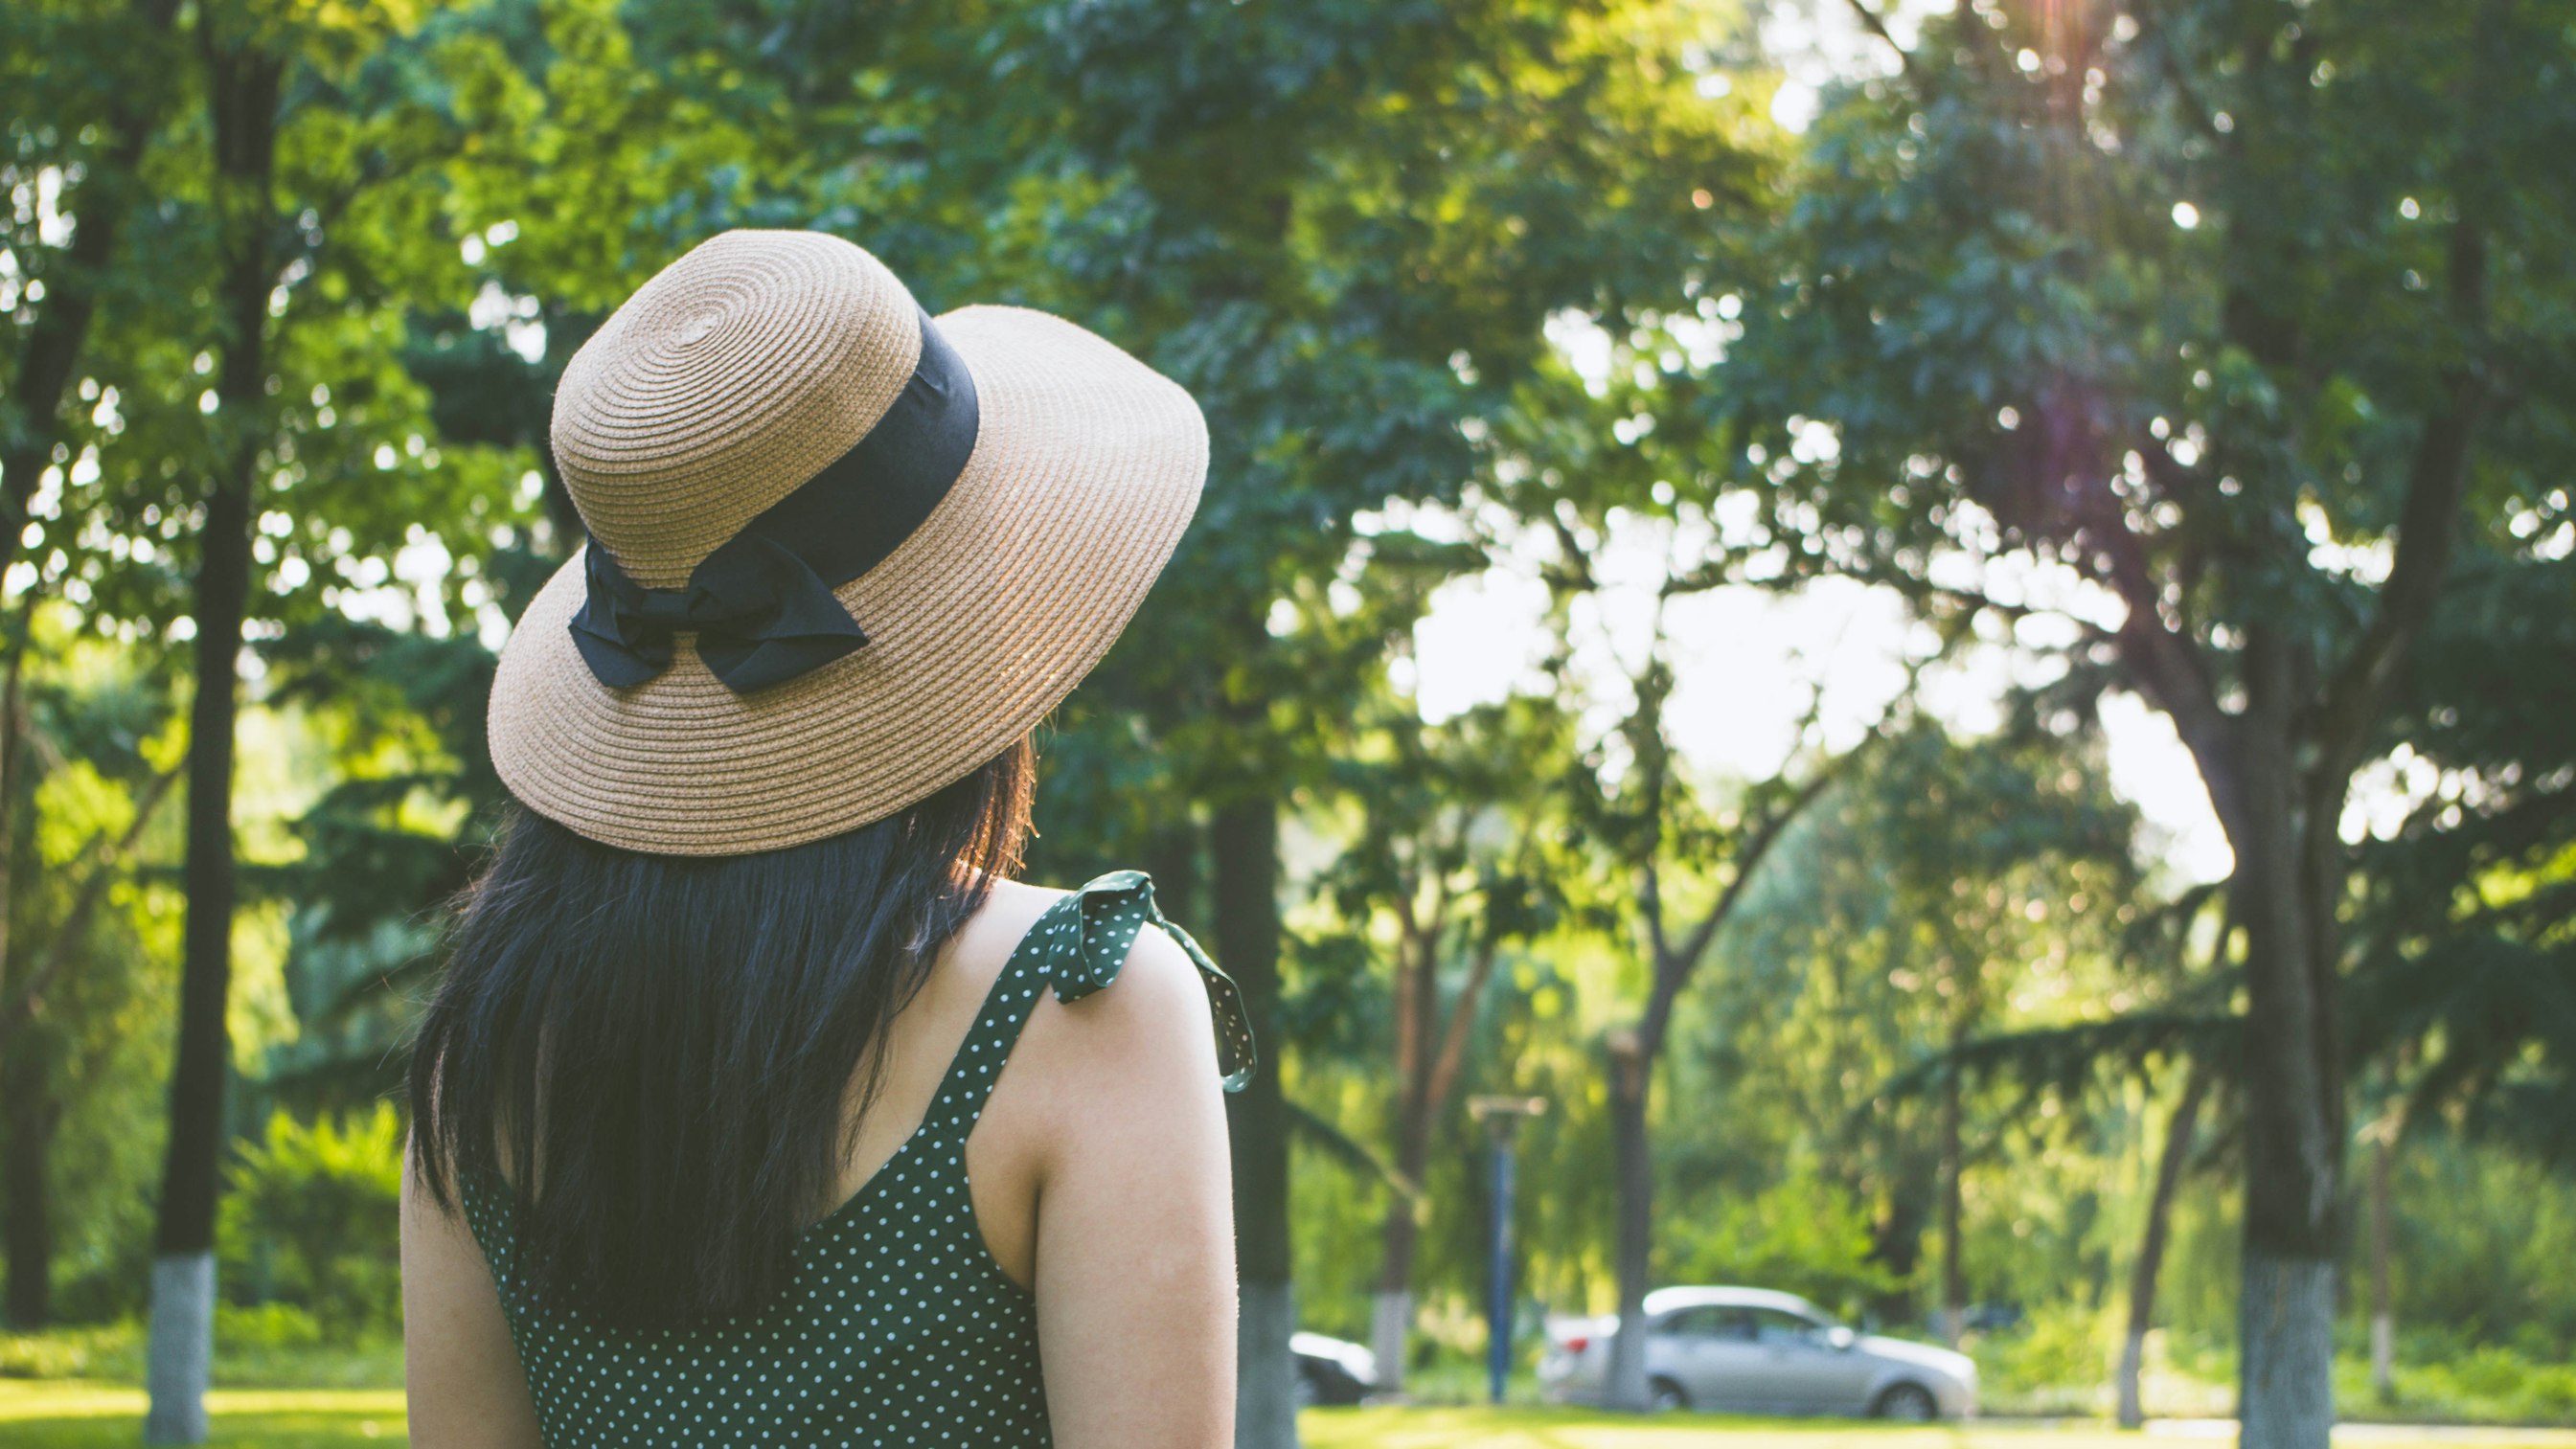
<point x="2054" y="1363"/>
<point x="1804" y="1235"/>
<point x="311" y="1220"/>
<point x="94" y="1351"/>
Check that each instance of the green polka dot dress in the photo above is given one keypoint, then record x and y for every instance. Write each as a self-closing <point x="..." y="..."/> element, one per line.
<point x="898" y="1328"/>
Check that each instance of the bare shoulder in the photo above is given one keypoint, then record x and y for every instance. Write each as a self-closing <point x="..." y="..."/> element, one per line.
<point x="976" y="954"/>
<point x="1151" y="1023"/>
<point x="1010" y="908"/>
<point x="1157" y="984"/>
<point x="1157" y="997"/>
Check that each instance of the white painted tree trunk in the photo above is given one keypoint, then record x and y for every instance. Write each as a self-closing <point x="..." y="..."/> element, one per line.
<point x="1265" y="1392"/>
<point x="2286" y="1393"/>
<point x="2383" y="1356"/>
<point x="2133" y="1360"/>
<point x="1390" y="1334"/>
<point x="179" y="1356"/>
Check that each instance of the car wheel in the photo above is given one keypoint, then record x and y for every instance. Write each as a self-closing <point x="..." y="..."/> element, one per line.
<point x="1911" y="1403"/>
<point x="1665" y="1397"/>
<point x="1306" y="1394"/>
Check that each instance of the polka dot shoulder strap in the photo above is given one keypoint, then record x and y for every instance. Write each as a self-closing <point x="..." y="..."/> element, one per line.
<point x="1077" y="947"/>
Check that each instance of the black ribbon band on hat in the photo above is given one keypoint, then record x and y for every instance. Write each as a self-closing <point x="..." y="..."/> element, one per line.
<point x="762" y="605"/>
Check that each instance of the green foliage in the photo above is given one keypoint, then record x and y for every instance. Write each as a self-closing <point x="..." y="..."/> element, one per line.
<point x="81" y="1077"/>
<point x="2492" y="1384"/>
<point x="2468" y="962"/>
<point x="310" y="1221"/>
<point x="2481" y="1235"/>
<point x="385" y="847"/>
<point x="266" y="1345"/>
<point x="1803" y="1234"/>
<point x="1957" y="323"/>
<point x="93" y="1352"/>
<point x="1947" y="886"/>
<point x="2053" y="1362"/>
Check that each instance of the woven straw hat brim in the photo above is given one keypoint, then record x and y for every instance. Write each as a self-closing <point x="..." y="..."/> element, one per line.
<point x="1086" y="469"/>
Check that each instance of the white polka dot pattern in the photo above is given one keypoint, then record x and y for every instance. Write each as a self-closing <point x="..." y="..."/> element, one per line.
<point x="898" y="1328"/>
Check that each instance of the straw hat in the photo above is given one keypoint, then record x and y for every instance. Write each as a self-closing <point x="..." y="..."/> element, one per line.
<point x="770" y="413"/>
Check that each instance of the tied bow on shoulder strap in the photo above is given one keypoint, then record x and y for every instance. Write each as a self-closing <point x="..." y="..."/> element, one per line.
<point x="1113" y="911"/>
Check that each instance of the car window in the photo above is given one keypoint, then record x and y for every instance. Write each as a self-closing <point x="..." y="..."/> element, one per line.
<point x="1706" y="1322"/>
<point x="1775" y="1326"/>
<point x="1689" y="1323"/>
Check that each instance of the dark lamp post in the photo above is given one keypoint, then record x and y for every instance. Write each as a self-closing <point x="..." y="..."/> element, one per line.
<point x="1501" y="1116"/>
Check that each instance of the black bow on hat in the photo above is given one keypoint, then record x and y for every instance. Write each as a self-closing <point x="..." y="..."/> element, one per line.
<point x="761" y="606"/>
<point x="762" y="616"/>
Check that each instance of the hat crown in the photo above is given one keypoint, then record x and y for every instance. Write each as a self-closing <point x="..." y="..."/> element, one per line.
<point x="734" y="375"/>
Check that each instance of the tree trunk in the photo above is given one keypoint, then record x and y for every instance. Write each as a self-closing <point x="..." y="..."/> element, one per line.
<point x="1391" y="1307"/>
<point x="1244" y="844"/>
<point x="1418" y="1100"/>
<point x="1633" y="1167"/>
<point x="2151" y="1246"/>
<point x="242" y="92"/>
<point x="26" y="1154"/>
<point x="13" y="725"/>
<point x="183" y="1328"/>
<point x="2287" y="1321"/>
<point x="26" y="1139"/>
<point x="2288" y="863"/>
<point x="1954" y="1267"/>
<point x="2383" y="1319"/>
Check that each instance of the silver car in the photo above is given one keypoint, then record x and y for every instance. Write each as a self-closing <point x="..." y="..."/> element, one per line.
<point x="1747" y="1350"/>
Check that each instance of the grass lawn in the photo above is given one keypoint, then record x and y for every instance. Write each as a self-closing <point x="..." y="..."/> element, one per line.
<point x="1580" y="1429"/>
<point x="76" y="1414"/>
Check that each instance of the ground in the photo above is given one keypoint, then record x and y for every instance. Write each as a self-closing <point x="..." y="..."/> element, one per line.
<point x="1575" y="1429"/>
<point x="59" y="1414"/>
<point x="65" y="1414"/>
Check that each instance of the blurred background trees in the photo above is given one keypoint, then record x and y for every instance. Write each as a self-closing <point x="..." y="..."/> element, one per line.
<point x="1695" y="550"/>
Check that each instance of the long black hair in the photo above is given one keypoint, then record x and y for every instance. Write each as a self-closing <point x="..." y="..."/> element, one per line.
<point x="659" y="1052"/>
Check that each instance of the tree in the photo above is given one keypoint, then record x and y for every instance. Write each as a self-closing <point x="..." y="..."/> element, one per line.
<point x="1414" y="191"/>
<point x="1688" y="859"/>
<point x="1410" y="192"/>
<point x="1597" y="468"/>
<point x="2234" y="312"/>
<point x="2173" y="1159"/>
<point x="274" y="276"/>
<point x="1392" y="228"/>
<point x="1955" y="889"/>
<point x="92" y="86"/>
<point x="2465" y="981"/>
<point x="1976" y="845"/>
<point x="243" y="86"/>
<point x="87" y="733"/>
<point x="1448" y="860"/>
<point x="2465" y="986"/>
<point x="1651" y="824"/>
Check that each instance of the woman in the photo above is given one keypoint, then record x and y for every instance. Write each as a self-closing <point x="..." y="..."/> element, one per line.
<point x="759" y="1105"/>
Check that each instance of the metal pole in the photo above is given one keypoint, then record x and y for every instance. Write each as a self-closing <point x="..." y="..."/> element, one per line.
<point x="1500" y="1115"/>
